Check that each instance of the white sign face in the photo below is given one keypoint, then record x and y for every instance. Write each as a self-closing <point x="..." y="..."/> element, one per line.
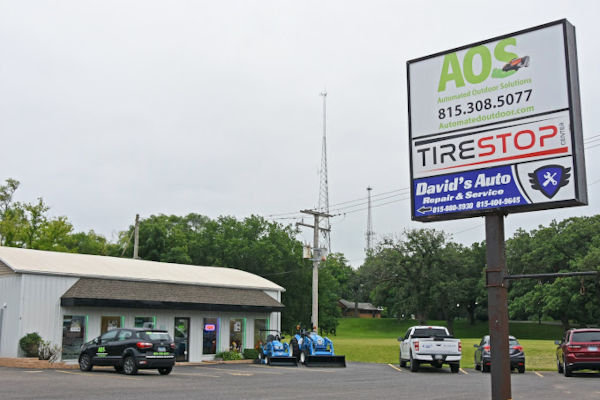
<point x="493" y="125"/>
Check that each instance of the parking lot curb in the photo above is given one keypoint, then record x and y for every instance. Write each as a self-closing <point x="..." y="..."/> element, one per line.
<point x="212" y="362"/>
<point x="34" y="363"/>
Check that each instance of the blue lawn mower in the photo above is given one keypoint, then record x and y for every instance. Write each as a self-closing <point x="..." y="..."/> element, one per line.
<point x="276" y="352"/>
<point x="313" y="350"/>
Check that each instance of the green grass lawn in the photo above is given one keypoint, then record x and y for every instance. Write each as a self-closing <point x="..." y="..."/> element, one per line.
<point x="375" y="340"/>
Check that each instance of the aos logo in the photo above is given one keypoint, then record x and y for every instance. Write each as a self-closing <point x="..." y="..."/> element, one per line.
<point x="452" y="70"/>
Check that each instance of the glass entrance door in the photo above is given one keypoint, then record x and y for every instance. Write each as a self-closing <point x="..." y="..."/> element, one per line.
<point x="182" y="334"/>
<point x="73" y="336"/>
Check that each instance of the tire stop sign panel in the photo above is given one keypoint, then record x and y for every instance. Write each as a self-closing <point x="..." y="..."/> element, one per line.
<point x="496" y="126"/>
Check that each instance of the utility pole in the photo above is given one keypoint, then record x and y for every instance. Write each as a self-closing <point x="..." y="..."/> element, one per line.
<point x="316" y="261"/>
<point x="136" y="239"/>
<point x="369" y="224"/>
<point x="324" y="183"/>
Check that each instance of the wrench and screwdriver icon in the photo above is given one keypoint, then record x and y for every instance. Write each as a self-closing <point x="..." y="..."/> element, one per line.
<point x="549" y="178"/>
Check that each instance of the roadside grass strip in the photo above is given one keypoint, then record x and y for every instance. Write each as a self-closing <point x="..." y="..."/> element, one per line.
<point x="540" y="355"/>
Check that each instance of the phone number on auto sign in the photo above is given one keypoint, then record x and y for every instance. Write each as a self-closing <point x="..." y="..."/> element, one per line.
<point x="480" y="204"/>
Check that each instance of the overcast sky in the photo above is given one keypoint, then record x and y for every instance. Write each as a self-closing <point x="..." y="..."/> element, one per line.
<point x="112" y="108"/>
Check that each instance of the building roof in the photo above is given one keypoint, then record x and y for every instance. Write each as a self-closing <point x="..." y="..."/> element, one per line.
<point x="91" y="266"/>
<point x="361" y="306"/>
<point x="116" y="293"/>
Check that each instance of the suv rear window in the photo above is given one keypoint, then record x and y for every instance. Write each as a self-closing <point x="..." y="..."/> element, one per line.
<point x="155" y="336"/>
<point x="429" y="332"/>
<point x="586" y="336"/>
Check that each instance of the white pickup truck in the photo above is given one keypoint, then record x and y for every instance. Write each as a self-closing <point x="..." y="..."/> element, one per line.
<point x="431" y="345"/>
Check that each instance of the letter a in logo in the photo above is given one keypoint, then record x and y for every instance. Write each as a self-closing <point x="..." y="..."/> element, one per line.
<point x="549" y="179"/>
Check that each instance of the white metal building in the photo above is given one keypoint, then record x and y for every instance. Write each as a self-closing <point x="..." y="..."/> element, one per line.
<point x="69" y="299"/>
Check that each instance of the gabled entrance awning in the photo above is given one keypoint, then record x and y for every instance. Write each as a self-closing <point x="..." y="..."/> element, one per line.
<point x="89" y="292"/>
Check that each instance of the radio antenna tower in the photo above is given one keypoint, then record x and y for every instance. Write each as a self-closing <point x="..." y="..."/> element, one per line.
<point x="370" y="232"/>
<point x="324" y="185"/>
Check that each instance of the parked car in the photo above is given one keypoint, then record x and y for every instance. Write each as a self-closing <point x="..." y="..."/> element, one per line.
<point x="128" y="350"/>
<point x="483" y="359"/>
<point x="431" y="345"/>
<point x="578" y="349"/>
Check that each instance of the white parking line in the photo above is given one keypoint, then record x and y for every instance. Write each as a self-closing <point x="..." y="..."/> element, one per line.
<point x="242" y="371"/>
<point x="538" y="374"/>
<point x="200" y="374"/>
<point x="94" y="375"/>
<point x="299" y="368"/>
<point x="396" y="368"/>
<point x="33" y="372"/>
<point x="463" y="371"/>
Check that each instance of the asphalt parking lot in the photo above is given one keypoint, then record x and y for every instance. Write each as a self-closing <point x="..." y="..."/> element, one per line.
<point x="251" y="381"/>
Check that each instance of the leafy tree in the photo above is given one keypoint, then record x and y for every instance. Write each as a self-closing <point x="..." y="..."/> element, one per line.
<point x="473" y="280"/>
<point x="568" y="245"/>
<point x="253" y="244"/>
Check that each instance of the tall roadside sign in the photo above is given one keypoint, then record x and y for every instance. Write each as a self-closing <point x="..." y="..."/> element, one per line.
<point x="495" y="128"/>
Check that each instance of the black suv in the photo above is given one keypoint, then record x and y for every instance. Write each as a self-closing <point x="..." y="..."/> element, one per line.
<point x="129" y="350"/>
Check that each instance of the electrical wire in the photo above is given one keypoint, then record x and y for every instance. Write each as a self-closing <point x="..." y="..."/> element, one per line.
<point x="376" y="197"/>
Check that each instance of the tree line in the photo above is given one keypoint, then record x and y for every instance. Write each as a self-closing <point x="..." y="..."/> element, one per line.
<point x="421" y="274"/>
<point x="254" y="244"/>
<point x="426" y="275"/>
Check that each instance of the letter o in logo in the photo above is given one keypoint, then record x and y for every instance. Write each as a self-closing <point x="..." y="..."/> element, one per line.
<point x="486" y="64"/>
<point x="531" y="136"/>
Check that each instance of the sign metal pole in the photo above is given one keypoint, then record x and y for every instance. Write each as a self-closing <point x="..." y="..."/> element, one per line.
<point x="497" y="306"/>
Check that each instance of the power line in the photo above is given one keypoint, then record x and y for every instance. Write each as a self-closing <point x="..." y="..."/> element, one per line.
<point x="367" y="202"/>
<point x="372" y="196"/>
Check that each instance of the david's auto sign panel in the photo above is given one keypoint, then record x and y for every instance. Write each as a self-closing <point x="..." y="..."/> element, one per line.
<point x="509" y="186"/>
<point x="492" y="126"/>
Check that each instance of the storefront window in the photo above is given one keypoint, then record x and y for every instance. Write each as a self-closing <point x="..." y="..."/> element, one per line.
<point x="109" y="323"/>
<point x="73" y="336"/>
<point x="260" y="332"/>
<point x="145" y="322"/>
<point x="236" y="335"/>
<point x="210" y="334"/>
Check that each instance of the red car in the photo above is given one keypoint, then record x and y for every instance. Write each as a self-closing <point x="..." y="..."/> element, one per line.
<point x="579" y="349"/>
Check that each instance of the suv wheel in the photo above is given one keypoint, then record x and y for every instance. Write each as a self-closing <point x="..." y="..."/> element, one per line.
<point x="85" y="362"/>
<point x="566" y="369"/>
<point x="559" y="366"/>
<point x="165" y="371"/>
<point x="454" y="368"/>
<point x="129" y="366"/>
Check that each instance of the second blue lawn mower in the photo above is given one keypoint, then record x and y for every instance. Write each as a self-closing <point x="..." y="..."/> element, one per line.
<point x="276" y="352"/>
<point x="313" y="350"/>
